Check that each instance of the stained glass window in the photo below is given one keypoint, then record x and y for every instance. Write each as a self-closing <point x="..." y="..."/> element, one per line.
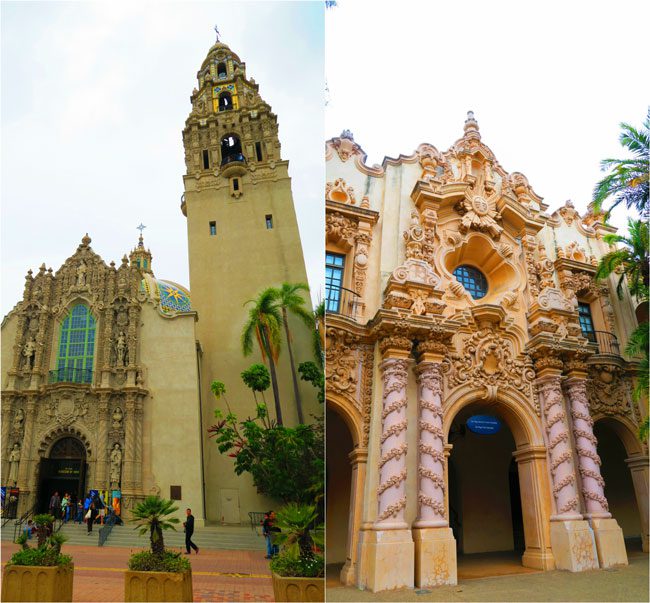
<point x="473" y="280"/>
<point x="76" y="346"/>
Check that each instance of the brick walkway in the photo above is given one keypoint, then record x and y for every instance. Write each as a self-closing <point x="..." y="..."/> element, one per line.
<point x="216" y="575"/>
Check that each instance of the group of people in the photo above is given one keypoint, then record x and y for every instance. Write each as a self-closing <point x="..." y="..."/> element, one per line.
<point x="267" y="530"/>
<point x="91" y="510"/>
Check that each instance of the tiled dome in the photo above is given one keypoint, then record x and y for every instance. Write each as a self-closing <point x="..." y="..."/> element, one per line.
<point x="172" y="296"/>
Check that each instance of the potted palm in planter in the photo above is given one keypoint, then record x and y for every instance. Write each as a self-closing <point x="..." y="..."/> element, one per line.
<point x="157" y="574"/>
<point x="298" y="570"/>
<point x="41" y="573"/>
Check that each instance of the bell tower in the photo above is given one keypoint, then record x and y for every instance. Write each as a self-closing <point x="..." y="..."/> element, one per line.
<point x="243" y="238"/>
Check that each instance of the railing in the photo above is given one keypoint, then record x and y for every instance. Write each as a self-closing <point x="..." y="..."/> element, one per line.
<point x="233" y="157"/>
<point x="605" y="341"/>
<point x="339" y="300"/>
<point x="24" y="518"/>
<point x="256" y="517"/>
<point x="71" y="375"/>
<point x="107" y="528"/>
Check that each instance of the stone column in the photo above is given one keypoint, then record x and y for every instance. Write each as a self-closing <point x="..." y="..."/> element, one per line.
<point x="535" y="504"/>
<point x="7" y="407"/>
<point x="358" y="460"/>
<point x="386" y="548"/>
<point x="129" y="445"/>
<point x="102" y="441"/>
<point x="435" y="546"/>
<point x="26" y="454"/>
<point x="610" y="543"/>
<point x="638" y="465"/>
<point x="572" y="539"/>
<point x="137" y="469"/>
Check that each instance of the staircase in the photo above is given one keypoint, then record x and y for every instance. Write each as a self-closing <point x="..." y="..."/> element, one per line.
<point x="212" y="537"/>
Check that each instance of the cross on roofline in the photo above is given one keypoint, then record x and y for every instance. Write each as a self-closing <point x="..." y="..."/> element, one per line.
<point x="216" y="30"/>
<point x="141" y="227"/>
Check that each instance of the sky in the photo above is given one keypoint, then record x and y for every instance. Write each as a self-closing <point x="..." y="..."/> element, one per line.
<point x="549" y="82"/>
<point x="94" y="100"/>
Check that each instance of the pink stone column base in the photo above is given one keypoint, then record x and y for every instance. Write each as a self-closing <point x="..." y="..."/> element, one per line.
<point x="435" y="557"/>
<point x="573" y="545"/>
<point x="386" y="560"/>
<point x="610" y="543"/>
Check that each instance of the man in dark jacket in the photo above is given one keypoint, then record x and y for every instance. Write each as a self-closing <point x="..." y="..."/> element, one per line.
<point x="189" y="530"/>
<point x="55" y="504"/>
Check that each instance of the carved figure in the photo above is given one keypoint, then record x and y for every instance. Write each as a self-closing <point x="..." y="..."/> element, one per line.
<point x="14" y="460"/>
<point x="29" y="353"/>
<point x="120" y="349"/>
<point x="81" y="274"/>
<point x="118" y="415"/>
<point x="116" y="465"/>
<point x="19" y="419"/>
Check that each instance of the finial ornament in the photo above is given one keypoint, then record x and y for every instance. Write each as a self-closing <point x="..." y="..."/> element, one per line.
<point x="347" y="134"/>
<point x="216" y="30"/>
<point x="471" y="125"/>
<point x="141" y="227"/>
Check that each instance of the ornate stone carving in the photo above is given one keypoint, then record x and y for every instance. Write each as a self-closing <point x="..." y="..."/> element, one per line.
<point x="478" y="209"/>
<point x="340" y="192"/>
<point x="391" y="491"/>
<point x="341" y="364"/>
<point x="340" y="228"/>
<point x="609" y="392"/>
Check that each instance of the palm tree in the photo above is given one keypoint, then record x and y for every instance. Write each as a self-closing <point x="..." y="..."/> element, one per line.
<point x="298" y="533"/>
<point x="264" y="320"/>
<point x="633" y="259"/>
<point x="290" y="300"/>
<point x="152" y="515"/>
<point x="627" y="181"/>
<point x="319" y="334"/>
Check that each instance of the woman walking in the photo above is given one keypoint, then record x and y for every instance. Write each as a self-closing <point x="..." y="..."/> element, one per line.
<point x="90" y="517"/>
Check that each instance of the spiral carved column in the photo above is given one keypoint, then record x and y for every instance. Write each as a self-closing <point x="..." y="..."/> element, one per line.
<point x="392" y="465"/>
<point x="102" y="440"/>
<point x="129" y="444"/>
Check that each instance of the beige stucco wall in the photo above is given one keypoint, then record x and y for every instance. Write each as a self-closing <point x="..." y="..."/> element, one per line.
<point x="171" y="426"/>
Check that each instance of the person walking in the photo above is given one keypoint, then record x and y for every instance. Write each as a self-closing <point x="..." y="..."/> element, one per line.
<point x="79" y="517"/>
<point x="91" y="514"/>
<point x="188" y="525"/>
<point x="55" y="502"/>
<point x="64" y="507"/>
<point x="266" y="532"/>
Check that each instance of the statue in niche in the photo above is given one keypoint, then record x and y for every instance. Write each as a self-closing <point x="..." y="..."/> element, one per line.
<point x="19" y="419"/>
<point x="120" y="349"/>
<point x="29" y="353"/>
<point x="14" y="460"/>
<point x="81" y="274"/>
<point x="116" y="465"/>
<point x="118" y="416"/>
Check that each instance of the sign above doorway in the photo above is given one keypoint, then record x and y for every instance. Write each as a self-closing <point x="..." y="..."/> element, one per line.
<point x="484" y="424"/>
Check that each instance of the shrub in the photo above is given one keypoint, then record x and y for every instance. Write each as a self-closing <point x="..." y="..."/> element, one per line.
<point x="302" y="567"/>
<point x="146" y="561"/>
<point x="42" y="556"/>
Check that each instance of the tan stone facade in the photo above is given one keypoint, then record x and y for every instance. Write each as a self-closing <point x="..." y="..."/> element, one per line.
<point x="451" y="292"/>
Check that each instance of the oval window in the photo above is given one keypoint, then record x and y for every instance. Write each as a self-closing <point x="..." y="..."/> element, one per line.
<point x="473" y="280"/>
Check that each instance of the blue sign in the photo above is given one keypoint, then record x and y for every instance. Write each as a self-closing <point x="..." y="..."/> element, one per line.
<point x="484" y="424"/>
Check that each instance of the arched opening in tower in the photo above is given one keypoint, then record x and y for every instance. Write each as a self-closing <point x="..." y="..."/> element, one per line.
<point x="221" y="71"/>
<point x="231" y="149"/>
<point x="225" y="101"/>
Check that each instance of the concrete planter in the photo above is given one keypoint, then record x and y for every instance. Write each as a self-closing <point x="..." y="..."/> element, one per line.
<point x="286" y="588"/>
<point x="37" y="583"/>
<point x="158" y="586"/>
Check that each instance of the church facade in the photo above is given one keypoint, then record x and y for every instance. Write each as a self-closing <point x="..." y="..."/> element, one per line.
<point x="478" y="395"/>
<point x="106" y="369"/>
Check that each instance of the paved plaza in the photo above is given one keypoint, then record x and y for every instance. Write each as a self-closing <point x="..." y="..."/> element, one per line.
<point x="217" y="575"/>
<point x="615" y="584"/>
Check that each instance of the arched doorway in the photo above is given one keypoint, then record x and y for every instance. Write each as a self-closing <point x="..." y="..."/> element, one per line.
<point x="63" y="470"/>
<point x="619" y="488"/>
<point x="498" y="490"/>
<point x="338" y="488"/>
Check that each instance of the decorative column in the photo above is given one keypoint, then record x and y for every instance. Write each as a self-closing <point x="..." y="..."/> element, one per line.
<point x="26" y="454"/>
<point x="137" y="470"/>
<point x="102" y="440"/>
<point x="387" y="553"/>
<point x="572" y="539"/>
<point x="358" y="460"/>
<point x="7" y="407"/>
<point x="435" y="546"/>
<point x="638" y="465"/>
<point x="610" y="543"/>
<point x="129" y="445"/>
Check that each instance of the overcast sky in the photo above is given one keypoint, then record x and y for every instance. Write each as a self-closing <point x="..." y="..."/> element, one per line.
<point x="549" y="82"/>
<point x="94" y="100"/>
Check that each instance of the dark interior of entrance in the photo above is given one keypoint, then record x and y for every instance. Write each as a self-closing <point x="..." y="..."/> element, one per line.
<point x="64" y="471"/>
<point x="485" y="511"/>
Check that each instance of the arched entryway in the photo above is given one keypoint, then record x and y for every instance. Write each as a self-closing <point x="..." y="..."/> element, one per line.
<point x="498" y="490"/>
<point x="616" y="444"/>
<point x="62" y="470"/>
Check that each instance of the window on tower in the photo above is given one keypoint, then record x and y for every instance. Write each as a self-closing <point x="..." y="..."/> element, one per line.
<point x="225" y="101"/>
<point x="269" y="221"/>
<point x="221" y="71"/>
<point x="231" y="149"/>
<point x="213" y="229"/>
<point x="206" y="159"/>
<point x="258" y="151"/>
